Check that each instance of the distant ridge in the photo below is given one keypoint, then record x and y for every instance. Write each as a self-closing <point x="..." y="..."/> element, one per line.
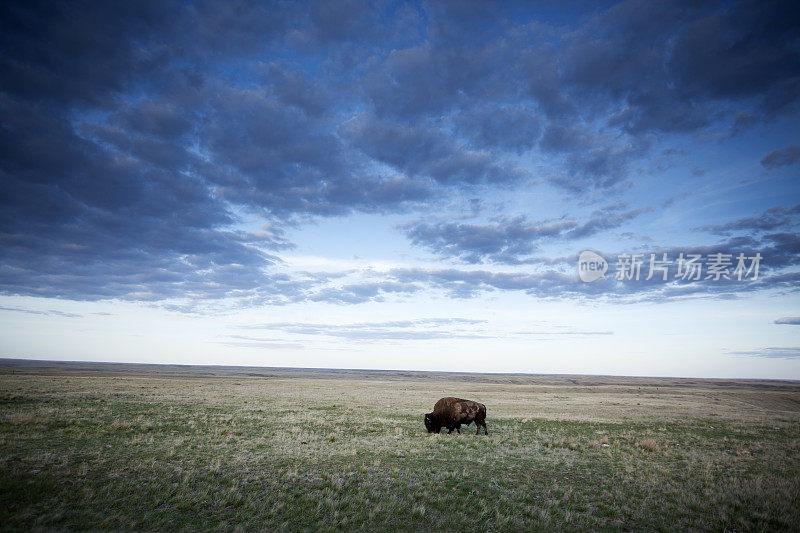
<point x="33" y="366"/>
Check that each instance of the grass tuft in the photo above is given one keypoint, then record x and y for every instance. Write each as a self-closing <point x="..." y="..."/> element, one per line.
<point x="649" y="445"/>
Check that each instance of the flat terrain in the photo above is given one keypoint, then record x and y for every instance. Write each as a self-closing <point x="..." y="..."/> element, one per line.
<point x="139" y="447"/>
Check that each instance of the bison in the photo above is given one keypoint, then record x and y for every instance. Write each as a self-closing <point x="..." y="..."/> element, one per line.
<point x="452" y="412"/>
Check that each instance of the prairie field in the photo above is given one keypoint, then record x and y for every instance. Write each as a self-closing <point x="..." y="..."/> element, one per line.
<point x="139" y="447"/>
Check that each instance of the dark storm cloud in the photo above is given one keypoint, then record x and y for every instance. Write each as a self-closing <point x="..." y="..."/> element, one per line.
<point x="426" y="151"/>
<point x="80" y="53"/>
<point x="135" y="136"/>
<point x="86" y="221"/>
<point x="513" y="128"/>
<point x="590" y="160"/>
<point x="294" y="88"/>
<point x="781" y="158"/>
<point x="741" y="52"/>
<point x="271" y="155"/>
<point x="697" y="58"/>
<point x="126" y="206"/>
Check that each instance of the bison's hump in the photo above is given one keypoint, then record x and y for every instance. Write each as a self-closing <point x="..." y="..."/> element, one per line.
<point x="455" y="409"/>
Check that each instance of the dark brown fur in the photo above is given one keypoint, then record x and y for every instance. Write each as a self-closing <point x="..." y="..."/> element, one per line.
<point x="452" y="412"/>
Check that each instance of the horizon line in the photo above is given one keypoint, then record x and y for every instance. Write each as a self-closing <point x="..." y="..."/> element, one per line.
<point x="387" y="370"/>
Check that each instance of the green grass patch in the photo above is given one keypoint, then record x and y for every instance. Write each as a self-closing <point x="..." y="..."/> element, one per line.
<point x="145" y="453"/>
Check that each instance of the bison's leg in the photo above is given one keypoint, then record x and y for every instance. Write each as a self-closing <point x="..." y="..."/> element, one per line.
<point x="485" y="430"/>
<point x="458" y="428"/>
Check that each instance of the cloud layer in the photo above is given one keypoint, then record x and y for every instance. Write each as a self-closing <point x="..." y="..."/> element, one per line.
<point x="137" y="139"/>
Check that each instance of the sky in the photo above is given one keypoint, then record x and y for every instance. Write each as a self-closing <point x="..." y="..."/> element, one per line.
<point x="403" y="185"/>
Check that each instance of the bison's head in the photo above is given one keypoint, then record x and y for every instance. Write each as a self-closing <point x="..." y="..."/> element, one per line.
<point x="429" y="423"/>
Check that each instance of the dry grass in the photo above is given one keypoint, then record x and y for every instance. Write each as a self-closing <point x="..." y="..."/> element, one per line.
<point x="307" y="451"/>
<point x="648" y="445"/>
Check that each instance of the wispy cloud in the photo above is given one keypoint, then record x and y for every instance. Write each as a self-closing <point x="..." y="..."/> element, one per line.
<point x="772" y="219"/>
<point x="241" y="341"/>
<point x="49" y="312"/>
<point x="771" y="353"/>
<point x="576" y="333"/>
<point x="510" y="240"/>
<point x="421" y="329"/>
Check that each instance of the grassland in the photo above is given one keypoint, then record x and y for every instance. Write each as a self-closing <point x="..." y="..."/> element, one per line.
<point x="128" y="448"/>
